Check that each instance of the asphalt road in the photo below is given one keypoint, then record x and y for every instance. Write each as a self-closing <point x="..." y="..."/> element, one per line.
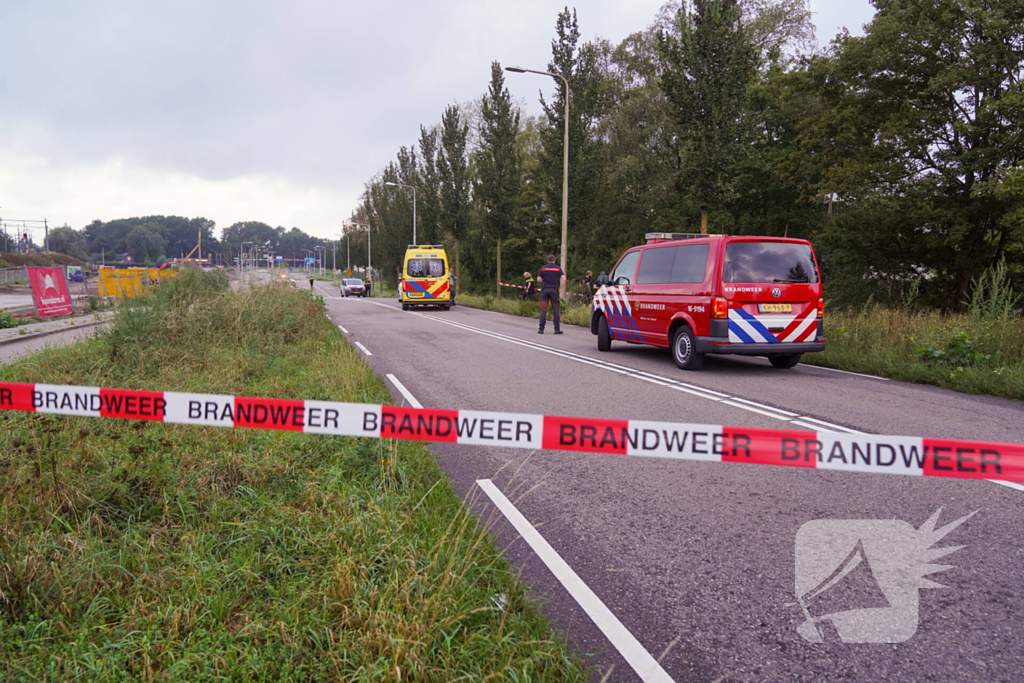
<point x="697" y="560"/>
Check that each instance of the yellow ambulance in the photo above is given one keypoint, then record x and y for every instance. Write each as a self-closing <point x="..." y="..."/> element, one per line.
<point x="425" y="278"/>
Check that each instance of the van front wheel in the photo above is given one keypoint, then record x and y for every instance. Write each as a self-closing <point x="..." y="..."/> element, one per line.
<point x="684" y="350"/>
<point x="604" y="337"/>
<point x="785" y="360"/>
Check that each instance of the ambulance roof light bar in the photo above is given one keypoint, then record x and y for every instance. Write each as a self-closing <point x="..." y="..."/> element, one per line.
<point x="656" y="237"/>
<point x="425" y="246"/>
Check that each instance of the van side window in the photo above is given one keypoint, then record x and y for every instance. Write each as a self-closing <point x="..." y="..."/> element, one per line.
<point x="656" y="266"/>
<point x="624" y="270"/>
<point x="690" y="264"/>
<point x="673" y="265"/>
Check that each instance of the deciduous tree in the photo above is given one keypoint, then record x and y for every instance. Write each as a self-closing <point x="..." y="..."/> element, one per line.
<point x="708" y="66"/>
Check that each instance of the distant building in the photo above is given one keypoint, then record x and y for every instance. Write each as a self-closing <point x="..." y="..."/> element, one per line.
<point x="125" y="258"/>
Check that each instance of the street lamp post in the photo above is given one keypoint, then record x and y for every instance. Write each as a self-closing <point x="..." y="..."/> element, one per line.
<point x="565" y="157"/>
<point x="320" y="252"/>
<point x="413" y="206"/>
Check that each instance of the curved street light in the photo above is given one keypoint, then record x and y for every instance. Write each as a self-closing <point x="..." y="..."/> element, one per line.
<point x="565" y="157"/>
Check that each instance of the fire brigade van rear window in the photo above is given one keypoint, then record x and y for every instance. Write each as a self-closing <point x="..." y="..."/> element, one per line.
<point x="425" y="267"/>
<point x="673" y="265"/>
<point x="769" y="262"/>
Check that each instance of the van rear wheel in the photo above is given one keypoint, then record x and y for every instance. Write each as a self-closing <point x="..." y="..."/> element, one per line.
<point x="684" y="349"/>
<point x="784" y="360"/>
<point x="604" y="337"/>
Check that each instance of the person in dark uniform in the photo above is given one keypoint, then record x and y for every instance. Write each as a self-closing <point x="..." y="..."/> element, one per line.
<point x="552" y="285"/>
<point x="311" y="283"/>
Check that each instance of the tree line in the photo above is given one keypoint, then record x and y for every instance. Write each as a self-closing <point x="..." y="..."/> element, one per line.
<point x="155" y="239"/>
<point x="899" y="153"/>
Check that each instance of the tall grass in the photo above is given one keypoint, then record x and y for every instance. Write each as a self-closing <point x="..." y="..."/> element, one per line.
<point x="959" y="351"/>
<point x="144" y="551"/>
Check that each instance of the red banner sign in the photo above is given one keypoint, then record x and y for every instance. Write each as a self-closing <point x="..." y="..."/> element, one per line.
<point x="50" y="291"/>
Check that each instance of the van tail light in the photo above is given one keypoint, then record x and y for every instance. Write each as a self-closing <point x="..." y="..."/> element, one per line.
<point x="821" y="308"/>
<point x="719" y="307"/>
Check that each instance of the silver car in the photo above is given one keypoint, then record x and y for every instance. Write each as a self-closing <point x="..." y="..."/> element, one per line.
<point x="353" y="286"/>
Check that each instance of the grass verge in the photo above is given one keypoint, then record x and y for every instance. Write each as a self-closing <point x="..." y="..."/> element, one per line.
<point x="144" y="551"/>
<point x="975" y="354"/>
<point x="964" y="352"/>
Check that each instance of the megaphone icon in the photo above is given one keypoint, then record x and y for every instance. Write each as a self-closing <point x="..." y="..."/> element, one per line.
<point x="852" y="586"/>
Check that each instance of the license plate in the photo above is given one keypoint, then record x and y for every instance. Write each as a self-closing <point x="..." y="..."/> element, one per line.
<point x="415" y="295"/>
<point x="775" y="308"/>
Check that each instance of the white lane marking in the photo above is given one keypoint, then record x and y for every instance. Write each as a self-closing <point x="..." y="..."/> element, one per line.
<point x="625" y="370"/>
<point x="405" y="392"/>
<point x="694" y="386"/>
<point x="342" y="329"/>
<point x="831" y="427"/>
<point x="364" y="349"/>
<point x="813" y="428"/>
<point x="845" y="372"/>
<point x="793" y="418"/>
<point x="645" y="666"/>
<point x="757" y="410"/>
<point x="761" y="405"/>
<point x="700" y="392"/>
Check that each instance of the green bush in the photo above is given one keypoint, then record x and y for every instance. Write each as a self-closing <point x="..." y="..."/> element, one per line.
<point x="959" y="351"/>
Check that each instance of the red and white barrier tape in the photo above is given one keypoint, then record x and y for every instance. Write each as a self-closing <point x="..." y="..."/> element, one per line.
<point x="711" y="443"/>
<point x="506" y="284"/>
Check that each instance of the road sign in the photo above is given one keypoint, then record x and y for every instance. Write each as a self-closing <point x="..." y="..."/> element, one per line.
<point x="279" y="258"/>
<point x="348" y="272"/>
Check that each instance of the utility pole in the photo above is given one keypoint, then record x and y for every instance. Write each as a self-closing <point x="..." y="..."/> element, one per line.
<point x="46" y="236"/>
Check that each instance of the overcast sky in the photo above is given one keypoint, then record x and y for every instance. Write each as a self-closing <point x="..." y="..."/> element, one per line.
<point x="255" y="110"/>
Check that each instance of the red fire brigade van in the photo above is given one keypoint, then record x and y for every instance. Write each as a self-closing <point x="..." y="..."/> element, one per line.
<point x="700" y="294"/>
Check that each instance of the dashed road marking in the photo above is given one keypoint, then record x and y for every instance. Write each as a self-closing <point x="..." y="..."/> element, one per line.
<point x="364" y="349"/>
<point x="342" y="329"/>
<point x="405" y="392"/>
<point x="645" y="666"/>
